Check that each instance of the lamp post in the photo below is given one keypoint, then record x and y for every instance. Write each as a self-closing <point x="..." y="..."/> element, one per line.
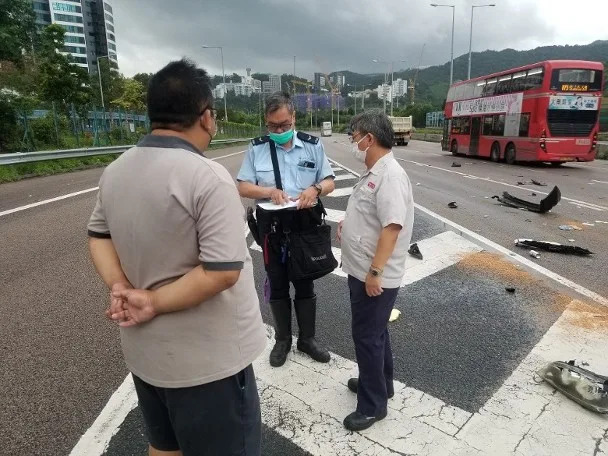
<point x="436" y="5"/>
<point x="223" y="77"/>
<point x="471" y="34"/>
<point x="103" y="106"/>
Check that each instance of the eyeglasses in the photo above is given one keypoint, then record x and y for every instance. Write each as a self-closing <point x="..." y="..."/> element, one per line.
<point x="283" y="127"/>
<point x="352" y="137"/>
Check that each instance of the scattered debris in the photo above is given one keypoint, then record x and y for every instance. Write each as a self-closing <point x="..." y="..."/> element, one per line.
<point x="415" y="251"/>
<point x="570" y="228"/>
<point x="528" y="220"/>
<point x="533" y="194"/>
<point x="572" y="240"/>
<point x="456" y="165"/>
<point x="552" y="247"/>
<point x="417" y="183"/>
<point x="534" y="254"/>
<point x="541" y="184"/>
<point x="452" y="205"/>
<point x="545" y="204"/>
<point x="510" y="289"/>
<point x="584" y="387"/>
<point x="521" y="183"/>
<point x="394" y="314"/>
<point x="485" y="216"/>
<point x="486" y="197"/>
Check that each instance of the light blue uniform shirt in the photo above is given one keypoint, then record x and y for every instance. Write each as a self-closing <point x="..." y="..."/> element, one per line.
<point x="303" y="165"/>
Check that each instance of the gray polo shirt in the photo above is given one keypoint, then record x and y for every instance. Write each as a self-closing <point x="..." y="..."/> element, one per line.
<point x="168" y="209"/>
<point x="383" y="196"/>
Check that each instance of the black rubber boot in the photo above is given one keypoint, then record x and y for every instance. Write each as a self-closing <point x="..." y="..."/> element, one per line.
<point x="281" y="312"/>
<point x="306" y="313"/>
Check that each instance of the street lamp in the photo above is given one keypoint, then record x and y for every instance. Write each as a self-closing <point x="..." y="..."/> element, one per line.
<point x="452" y="50"/>
<point x="391" y="63"/>
<point x="103" y="106"/>
<point x="471" y="35"/>
<point x="223" y="77"/>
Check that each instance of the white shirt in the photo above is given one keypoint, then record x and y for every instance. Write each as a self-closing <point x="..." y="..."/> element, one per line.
<point x="383" y="196"/>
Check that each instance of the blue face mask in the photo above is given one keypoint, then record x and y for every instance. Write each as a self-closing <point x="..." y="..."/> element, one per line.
<point x="281" y="138"/>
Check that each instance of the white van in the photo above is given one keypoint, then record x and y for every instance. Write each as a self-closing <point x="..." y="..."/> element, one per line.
<point x="326" y="129"/>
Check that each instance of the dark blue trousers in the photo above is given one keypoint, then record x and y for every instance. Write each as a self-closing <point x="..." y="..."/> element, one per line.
<point x="372" y="346"/>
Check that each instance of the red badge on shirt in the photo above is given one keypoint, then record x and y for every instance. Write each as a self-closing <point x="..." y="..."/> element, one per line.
<point x="371" y="185"/>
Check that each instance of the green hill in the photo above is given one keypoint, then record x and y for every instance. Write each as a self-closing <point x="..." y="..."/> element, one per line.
<point x="432" y="82"/>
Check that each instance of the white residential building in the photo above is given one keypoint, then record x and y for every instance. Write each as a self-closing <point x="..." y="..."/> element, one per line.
<point x="400" y="87"/>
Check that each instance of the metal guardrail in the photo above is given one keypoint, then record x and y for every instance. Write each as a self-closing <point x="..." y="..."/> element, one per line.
<point x="30" y="157"/>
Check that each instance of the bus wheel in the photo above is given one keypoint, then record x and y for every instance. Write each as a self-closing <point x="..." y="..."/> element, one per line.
<point x="495" y="153"/>
<point x="454" y="148"/>
<point x="557" y="164"/>
<point x="510" y="154"/>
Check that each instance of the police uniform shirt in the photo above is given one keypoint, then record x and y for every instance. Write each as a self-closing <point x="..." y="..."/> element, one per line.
<point x="383" y="196"/>
<point x="301" y="166"/>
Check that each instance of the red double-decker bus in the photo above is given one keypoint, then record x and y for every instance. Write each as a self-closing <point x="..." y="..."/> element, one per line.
<point x="545" y="112"/>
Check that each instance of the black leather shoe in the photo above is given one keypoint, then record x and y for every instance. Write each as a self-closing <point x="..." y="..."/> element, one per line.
<point x="279" y="352"/>
<point x="312" y="349"/>
<point x="357" y="421"/>
<point x="353" y="385"/>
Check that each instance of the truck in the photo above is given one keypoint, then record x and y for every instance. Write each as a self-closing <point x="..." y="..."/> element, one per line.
<point x="326" y="129"/>
<point x="403" y="130"/>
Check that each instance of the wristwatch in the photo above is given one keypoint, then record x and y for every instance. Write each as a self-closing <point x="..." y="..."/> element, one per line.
<point x="318" y="188"/>
<point x="376" y="272"/>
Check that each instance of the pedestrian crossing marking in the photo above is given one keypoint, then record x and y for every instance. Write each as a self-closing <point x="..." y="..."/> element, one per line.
<point x="344" y="191"/>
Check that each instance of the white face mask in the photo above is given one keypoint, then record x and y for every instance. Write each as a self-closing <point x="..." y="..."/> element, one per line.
<point x="359" y="154"/>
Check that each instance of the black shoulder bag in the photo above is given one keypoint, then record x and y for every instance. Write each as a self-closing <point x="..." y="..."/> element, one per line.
<point x="309" y="254"/>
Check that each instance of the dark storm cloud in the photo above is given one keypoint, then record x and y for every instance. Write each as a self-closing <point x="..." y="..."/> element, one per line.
<point x="325" y="36"/>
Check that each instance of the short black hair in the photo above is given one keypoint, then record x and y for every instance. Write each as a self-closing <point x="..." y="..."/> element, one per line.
<point x="177" y="95"/>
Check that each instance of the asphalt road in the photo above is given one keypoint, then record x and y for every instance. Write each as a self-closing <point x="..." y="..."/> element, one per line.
<point x="471" y="186"/>
<point x="61" y="360"/>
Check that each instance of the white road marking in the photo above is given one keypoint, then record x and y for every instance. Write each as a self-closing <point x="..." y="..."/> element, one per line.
<point x="475" y="237"/>
<point x="439" y="252"/>
<point x="81" y="192"/>
<point x="599" y="182"/>
<point x="339" y="192"/>
<point x="51" y="200"/>
<point x="98" y="436"/>
<point x="586" y="206"/>
<point x="487" y="179"/>
<point x="341" y="177"/>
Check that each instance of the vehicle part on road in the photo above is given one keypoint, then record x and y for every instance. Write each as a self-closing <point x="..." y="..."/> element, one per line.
<point x="552" y="247"/>
<point x="510" y="289"/>
<point x="535" y="182"/>
<point x="395" y="313"/>
<point x="534" y="254"/>
<point x="570" y="228"/>
<point x="415" y="251"/>
<point x="521" y="183"/>
<point x="452" y="205"/>
<point x="456" y="165"/>
<point x="545" y="204"/>
<point x="533" y="194"/>
<point x="584" y="387"/>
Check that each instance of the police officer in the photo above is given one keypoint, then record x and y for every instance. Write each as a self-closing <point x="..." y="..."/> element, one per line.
<point x="305" y="175"/>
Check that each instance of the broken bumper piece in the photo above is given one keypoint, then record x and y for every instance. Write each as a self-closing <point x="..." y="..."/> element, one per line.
<point x="552" y="247"/>
<point x="581" y="385"/>
<point x="545" y="204"/>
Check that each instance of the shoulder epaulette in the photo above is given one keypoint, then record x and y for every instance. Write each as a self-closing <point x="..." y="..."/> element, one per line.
<point x="260" y="140"/>
<point x="308" y="138"/>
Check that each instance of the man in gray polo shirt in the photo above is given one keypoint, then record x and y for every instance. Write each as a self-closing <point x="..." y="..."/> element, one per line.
<point x="167" y="235"/>
<point x="375" y="236"/>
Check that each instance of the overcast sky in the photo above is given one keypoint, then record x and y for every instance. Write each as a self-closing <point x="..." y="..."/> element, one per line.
<point x="336" y="35"/>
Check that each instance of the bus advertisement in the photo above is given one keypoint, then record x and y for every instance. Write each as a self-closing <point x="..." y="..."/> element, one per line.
<point x="545" y="112"/>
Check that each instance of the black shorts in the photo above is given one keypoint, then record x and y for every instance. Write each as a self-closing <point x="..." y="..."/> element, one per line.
<point x="220" y="418"/>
